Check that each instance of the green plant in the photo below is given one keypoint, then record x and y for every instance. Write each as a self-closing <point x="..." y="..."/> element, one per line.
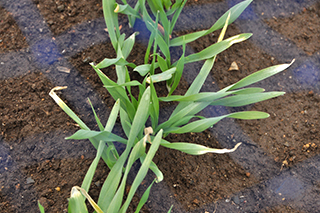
<point x="134" y="112"/>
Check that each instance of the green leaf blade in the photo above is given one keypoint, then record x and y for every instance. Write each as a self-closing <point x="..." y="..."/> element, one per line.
<point x="260" y="75"/>
<point x="234" y="12"/>
<point x="143" y="170"/>
<point x="217" y="48"/>
<point x="203" y="124"/>
<point x="246" y="99"/>
<point x="195" y="149"/>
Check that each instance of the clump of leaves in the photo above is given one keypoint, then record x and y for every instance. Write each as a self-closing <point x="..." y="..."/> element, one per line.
<point x="160" y="20"/>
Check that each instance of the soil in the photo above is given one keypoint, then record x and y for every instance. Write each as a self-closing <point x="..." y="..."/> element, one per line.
<point x="305" y="34"/>
<point x="26" y="108"/>
<point x="61" y="15"/>
<point x="33" y="168"/>
<point x="220" y="175"/>
<point x="11" y="37"/>
<point x="291" y="134"/>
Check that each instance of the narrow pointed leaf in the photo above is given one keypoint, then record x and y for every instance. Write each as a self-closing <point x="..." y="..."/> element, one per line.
<point x="195" y="149"/>
<point x="246" y="99"/>
<point x="191" y="109"/>
<point x="136" y="152"/>
<point x="101" y="135"/>
<point x="111" y="20"/>
<point x="177" y="13"/>
<point x="144" y="198"/>
<point x="143" y="170"/>
<point x="65" y="108"/>
<point x="154" y="108"/>
<point x="202" y="76"/>
<point x="204" y="96"/>
<point x="217" y="48"/>
<point x="201" y="125"/>
<point x="179" y="71"/>
<point x="162" y="63"/>
<point x="90" y="173"/>
<point x="114" y="61"/>
<point x="116" y="92"/>
<point x="76" y="202"/>
<point x="41" y="208"/>
<point x="128" y="45"/>
<point x="234" y="12"/>
<point x="127" y="10"/>
<point x="260" y="75"/>
<point x="143" y="69"/>
<point x="131" y="83"/>
<point x="96" y="117"/>
<point x="162" y="76"/>
<point x="163" y="46"/>
<point x="125" y="122"/>
<point x="113" y="116"/>
<point x="249" y="90"/>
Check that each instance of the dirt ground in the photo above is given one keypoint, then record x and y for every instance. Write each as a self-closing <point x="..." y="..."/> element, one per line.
<point x="36" y="163"/>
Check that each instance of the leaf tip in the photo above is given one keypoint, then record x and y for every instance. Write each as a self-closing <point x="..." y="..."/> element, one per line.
<point x="117" y="9"/>
<point x="293" y="60"/>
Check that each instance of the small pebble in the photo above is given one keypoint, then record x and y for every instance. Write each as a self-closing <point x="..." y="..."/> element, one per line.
<point x="50" y="22"/>
<point x="60" y="8"/>
<point x="98" y="184"/>
<point x="18" y="186"/>
<point x="196" y="201"/>
<point x="30" y="180"/>
<point x="236" y="200"/>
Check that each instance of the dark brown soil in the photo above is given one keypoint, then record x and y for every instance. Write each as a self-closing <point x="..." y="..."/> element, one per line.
<point x="61" y="15"/>
<point x="66" y="169"/>
<point x="54" y="197"/>
<point x="302" y="29"/>
<point x="291" y="133"/>
<point x="11" y="37"/>
<point x="281" y="209"/>
<point x="200" y="2"/>
<point x="289" y="136"/>
<point x="195" y="184"/>
<point x="26" y="108"/>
